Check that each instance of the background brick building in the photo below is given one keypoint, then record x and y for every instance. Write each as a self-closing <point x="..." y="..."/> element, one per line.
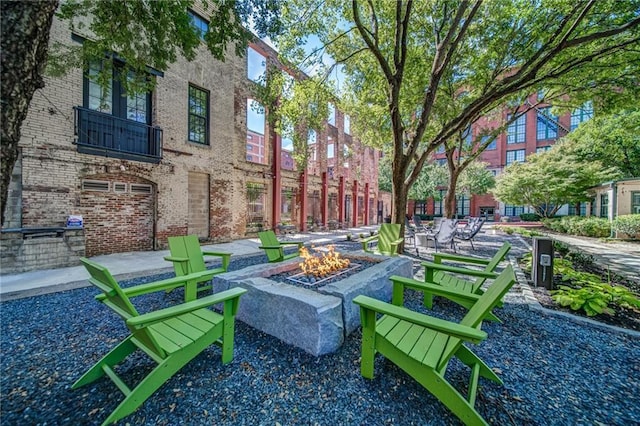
<point x="141" y="168"/>
<point x="535" y="130"/>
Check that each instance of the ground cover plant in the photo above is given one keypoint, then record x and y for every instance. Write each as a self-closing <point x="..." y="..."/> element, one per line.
<point x="585" y="288"/>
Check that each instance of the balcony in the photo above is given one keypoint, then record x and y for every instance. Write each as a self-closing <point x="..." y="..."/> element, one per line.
<point x="98" y="133"/>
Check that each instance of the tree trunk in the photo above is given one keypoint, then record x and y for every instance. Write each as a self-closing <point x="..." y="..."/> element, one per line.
<point x="450" y="198"/>
<point x="25" y="41"/>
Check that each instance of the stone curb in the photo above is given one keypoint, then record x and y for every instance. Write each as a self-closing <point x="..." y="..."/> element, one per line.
<point x="534" y="305"/>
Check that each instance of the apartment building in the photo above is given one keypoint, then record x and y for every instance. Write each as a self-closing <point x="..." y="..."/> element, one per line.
<point x="190" y="157"/>
<point x="533" y="131"/>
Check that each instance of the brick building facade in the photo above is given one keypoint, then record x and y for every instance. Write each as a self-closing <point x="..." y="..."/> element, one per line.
<point x="535" y="130"/>
<point x="139" y="169"/>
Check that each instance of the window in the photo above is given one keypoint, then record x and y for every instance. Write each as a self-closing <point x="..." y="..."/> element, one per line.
<point x="312" y="137"/>
<point x="440" y="149"/>
<point x="515" y="155"/>
<point x="547" y="124"/>
<point x="492" y="144"/>
<point x="330" y="148"/>
<point x="255" y="204"/>
<point x="98" y="98"/>
<point x="113" y="99"/>
<point x="579" y="209"/>
<point x="347" y="124"/>
<point x="198" y="115"/>
<point x="439" y="202"/>
<point x="463" y="205"/>
<point x="635" y="202"/>
<point x="114" y="123"/>
<point x="442" y="162"/>
<point x="510" y="210"/>
<point x="543" y="149"/>
<point x="579" y="115"/>
<point x="331" y="119"/>
<point x="516" y="129"/>
<point x="287" y="203"/>
<point x="256" y="66"/>
<point x="604" y="205"/>
<point x="255" y="128"/>
<point x="200" y="24"/>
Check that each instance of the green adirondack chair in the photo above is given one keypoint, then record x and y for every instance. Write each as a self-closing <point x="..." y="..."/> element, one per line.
<point x="422" y="345"/>
<point x="449" y="277"/>
<point x="388" y="238"/>
<point x="275" y="249"/>
<point x="171" y="337"/>
<point x="188" y="257"/>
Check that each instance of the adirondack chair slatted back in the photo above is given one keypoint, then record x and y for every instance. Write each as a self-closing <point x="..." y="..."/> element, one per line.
<point x="493" y="263"/>
<point x="480" y="309"/>
<point x="187" y="246"/>
<point x="388" y="233"/>
<point x="498" y="257"/>
<point x="268" y="238"/>
<point x="115" y="299"/>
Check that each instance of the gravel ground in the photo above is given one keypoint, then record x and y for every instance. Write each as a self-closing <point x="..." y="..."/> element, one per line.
<point x="555" y="371"/>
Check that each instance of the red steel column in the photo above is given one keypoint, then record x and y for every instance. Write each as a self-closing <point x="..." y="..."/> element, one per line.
<point x="366" y="203"/>
<point x="324" y="196"/>
<point x="303" y="201"/>
<point x="276" y="199"/>
<point x="354" y="201"/>
<point x="341" y="195"/>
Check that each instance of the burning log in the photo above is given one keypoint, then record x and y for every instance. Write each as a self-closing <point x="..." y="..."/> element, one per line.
<point x="322" y="264"/>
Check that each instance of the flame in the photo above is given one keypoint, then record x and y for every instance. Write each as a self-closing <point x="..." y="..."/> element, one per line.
<point x="322" y="264"/>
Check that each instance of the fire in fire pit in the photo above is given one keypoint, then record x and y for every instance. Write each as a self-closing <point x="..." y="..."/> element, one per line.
<point x="321" y="267"/>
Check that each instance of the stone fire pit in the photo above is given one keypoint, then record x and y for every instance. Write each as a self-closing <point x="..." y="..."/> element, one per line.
<point x="316" y="320"/>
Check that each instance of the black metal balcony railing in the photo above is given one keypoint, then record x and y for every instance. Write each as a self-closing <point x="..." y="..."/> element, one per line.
<point x="103" y="134"/>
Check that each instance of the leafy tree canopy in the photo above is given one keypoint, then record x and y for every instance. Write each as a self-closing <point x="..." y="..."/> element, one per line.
<point x="152" y="33"/>
<point x="549" y="180"/>
<point x="418" y="73"/>
<point x="613" y="139"/>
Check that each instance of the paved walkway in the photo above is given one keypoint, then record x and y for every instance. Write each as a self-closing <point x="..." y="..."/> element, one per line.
<point x="622" y="258"/>
<point x="136" y="264"/>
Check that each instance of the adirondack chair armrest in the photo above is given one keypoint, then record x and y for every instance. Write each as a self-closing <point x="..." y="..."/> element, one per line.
<point x="291" y="243"/>
<point x="176" y="259"/>
<point x="226" y="257"/>
<point x="397" y="242"/>
<point x="456" y="330"/>
<point x="278" y="247"/>
<point x="167" y="284"/>
<point x="173" y="311"/>
<point x="400" y="283"/>
<point x="369" y="239"/>
<point x="430" y="267"/>
<point x="439" y="257"/>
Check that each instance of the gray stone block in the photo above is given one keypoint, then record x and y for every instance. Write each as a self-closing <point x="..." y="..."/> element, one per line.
<point x="318" y="320"/>
<point x="373" y="282"/>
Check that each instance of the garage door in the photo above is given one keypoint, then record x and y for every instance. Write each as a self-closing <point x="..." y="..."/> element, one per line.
<point x="118" y="215"/>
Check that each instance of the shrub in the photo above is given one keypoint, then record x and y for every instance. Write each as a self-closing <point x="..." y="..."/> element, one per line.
<point x="628" y="224"/>
<point x="530" y="217"/>
<point x="561" y="248"/>
<point x="576" y="225"/>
